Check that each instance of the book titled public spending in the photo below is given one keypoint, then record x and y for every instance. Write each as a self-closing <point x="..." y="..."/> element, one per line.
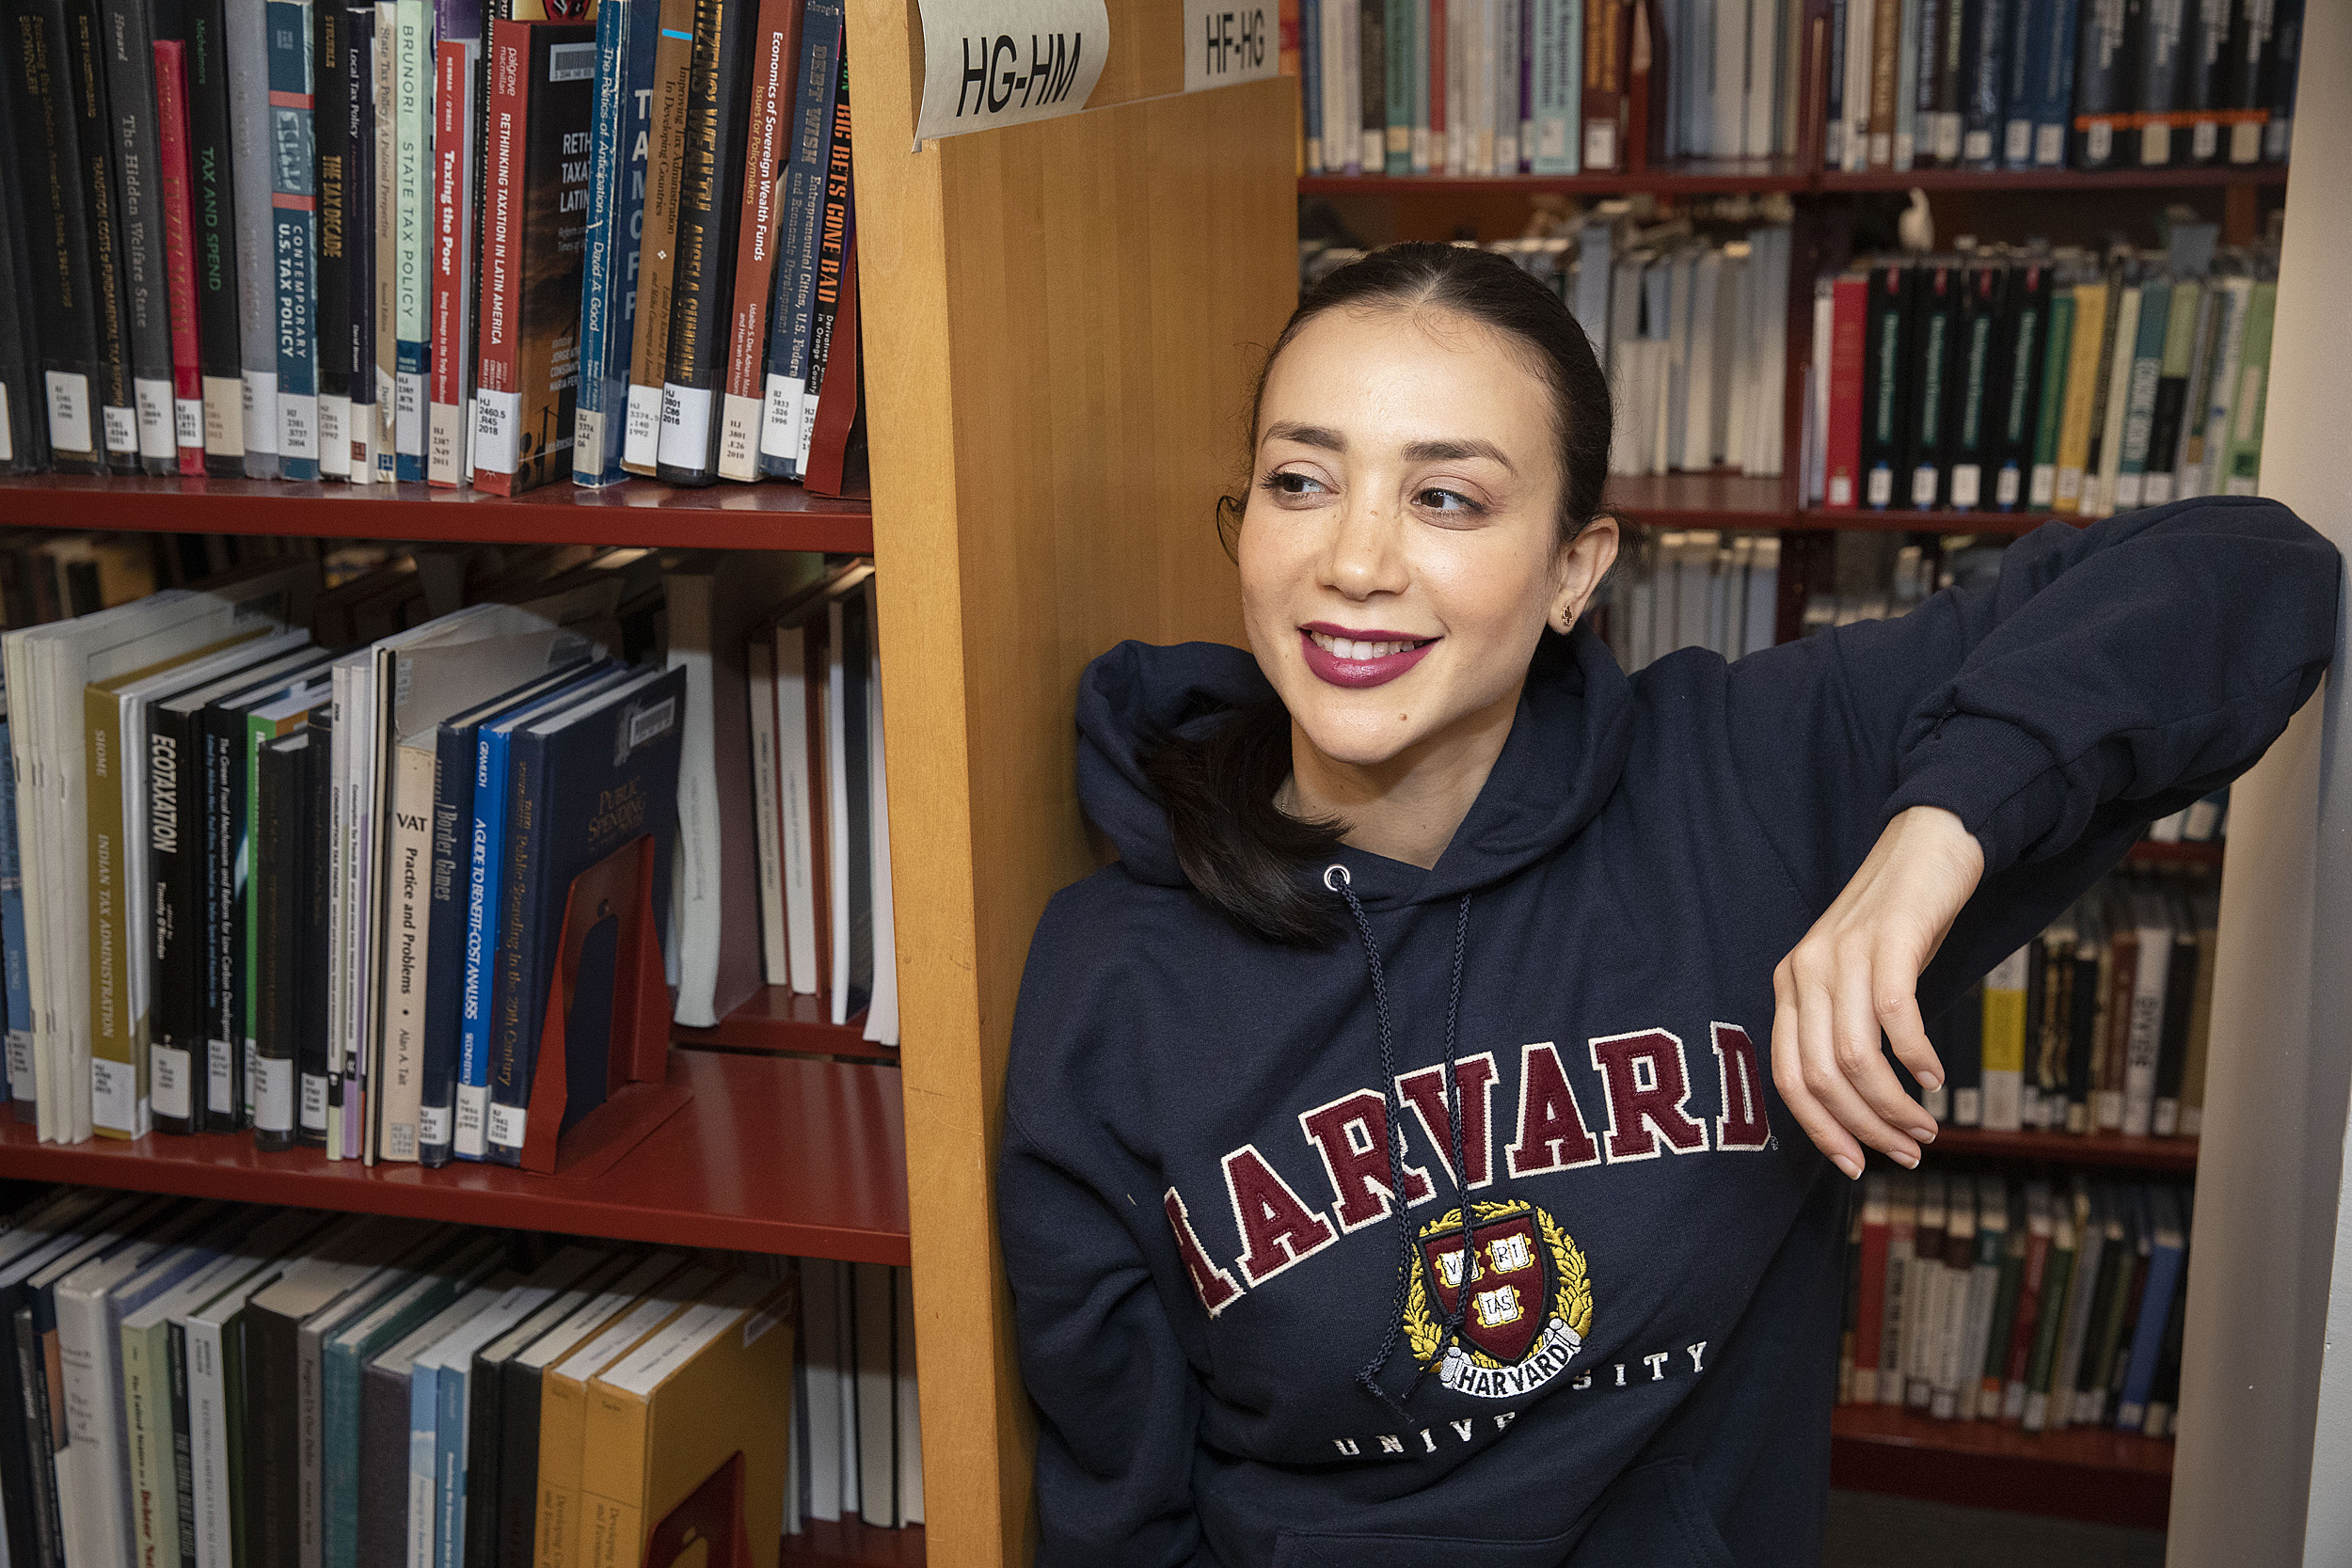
<point x="539" y="134"/>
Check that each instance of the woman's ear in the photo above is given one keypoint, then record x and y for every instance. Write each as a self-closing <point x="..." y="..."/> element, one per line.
<point x="1583" y="565"/>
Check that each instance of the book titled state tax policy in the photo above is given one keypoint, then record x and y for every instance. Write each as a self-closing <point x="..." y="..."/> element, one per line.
<point x="535" y="239"/>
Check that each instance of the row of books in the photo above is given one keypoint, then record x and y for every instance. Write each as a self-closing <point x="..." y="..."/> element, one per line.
<point x="224" y="1386"/>
<point x="2031" y="380"/>
<point x="2055" y="84"/>
<point x="1695" y="588"/>
<point x="1543" y="87"/>
<point x="297" y="861"/>
<point x="2033" y="1305"/>
<point x="2102" y="1024"/>
<point x="382" y="242"/>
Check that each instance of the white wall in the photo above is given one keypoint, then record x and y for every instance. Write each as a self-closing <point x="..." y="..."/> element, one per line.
<point x="2263" y="1473"/>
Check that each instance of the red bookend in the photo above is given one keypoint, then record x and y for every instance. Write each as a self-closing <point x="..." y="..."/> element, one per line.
<point x="187" y="367"/>
<point x="1849" y="303"/>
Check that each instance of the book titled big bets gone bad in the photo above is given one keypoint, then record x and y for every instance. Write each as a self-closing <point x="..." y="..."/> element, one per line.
<point x="534" y="232"/>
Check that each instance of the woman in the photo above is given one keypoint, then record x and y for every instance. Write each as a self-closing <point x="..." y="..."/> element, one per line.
<point x="1427" y="896"/>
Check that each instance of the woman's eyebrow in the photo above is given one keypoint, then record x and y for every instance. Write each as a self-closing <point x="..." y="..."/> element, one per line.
<point x="1455" y="450"/>
<point x="1307" y="436"/>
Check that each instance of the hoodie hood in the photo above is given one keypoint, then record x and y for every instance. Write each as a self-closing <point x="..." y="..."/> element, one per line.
<point x="1564" y="758"/>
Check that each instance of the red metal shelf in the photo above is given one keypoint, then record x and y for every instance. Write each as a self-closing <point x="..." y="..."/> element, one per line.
<point x="1932" y="522"/>
<point x="776" y="1019"/>
<point x="851" y="1545"/>
<point x="1697" y="177"/>
<point x="2090" y="1473"/>
<point x="771" y="1155"/>
<point x="2180" y="177"/>
<point x="1698" y="501"/>
<point x="773" y="517"/>
<point x="2069" y="1148"/>
<point x="2149" y="852"/>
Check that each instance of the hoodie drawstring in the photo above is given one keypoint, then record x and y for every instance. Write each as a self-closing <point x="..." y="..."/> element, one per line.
<point x="1336" y="879"/>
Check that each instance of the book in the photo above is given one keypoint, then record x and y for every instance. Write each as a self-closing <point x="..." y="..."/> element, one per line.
<point x="177" y="210"/>
<point x="2052" y="396"/>
<point x="452" y="369"/>
<point x="293" y="216"/>
<point x="1885" y="385"/>
<point x="649" y="355"/>
<point x="1978" y="368"/>
<point x="2241" y="460"/>
<point x="136" y="150"/>
<point x="709" y="213"/>
<point x="384" y="1500"/>
<point x="2018" y="375"/>
<point x="2086" y="380"/>
<point x="1935" y="301"/>
<point x="626" y="40"/>
<point x="370" y="455"/>
<point x="2160" y="88"/>
<point x="2183" y="325"/>
<point x="247" y="39"/>
<point x="834" y="237"/>
<point x="2105" y="50"/>
<point x="338" y="240"/>
<point x="663" y="1421"/>
<point x="543" y="79"/>
<point x="791" y="313"/>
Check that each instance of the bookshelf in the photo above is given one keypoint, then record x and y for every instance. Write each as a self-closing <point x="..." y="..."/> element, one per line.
<point x="2112" y="1150"/>
<point x="2089" y="1473"/>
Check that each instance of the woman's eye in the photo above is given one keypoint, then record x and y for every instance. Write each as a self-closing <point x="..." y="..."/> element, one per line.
<point x="1286" y="482"/>
<point x="1450" y="501"/>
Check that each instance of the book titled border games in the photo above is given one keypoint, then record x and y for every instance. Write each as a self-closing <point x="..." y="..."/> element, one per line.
<point x="542" y="102"/>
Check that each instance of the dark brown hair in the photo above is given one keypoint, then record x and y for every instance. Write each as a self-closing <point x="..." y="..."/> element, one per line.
<point x="1241" y="852"/>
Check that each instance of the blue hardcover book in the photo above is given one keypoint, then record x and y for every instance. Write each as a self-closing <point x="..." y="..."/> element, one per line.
<point x="1984" y="84"/>
<point x="2140" y="412"/>
<point x="2028" y="44"/>
<point x="1833" y="130"/>
<point x="425" y="1441"/>
<point x="486" y="872"/>
<point x="12" y="961"/>
<point x="585" y="781"/>
<point x="2050" y="80"/>
<point x="295" y="227"/>
<point x="2155" y="1306"/>
<point x="445" y="930"/>
<point x="1310" y="81"/>
<point x="626" y="31"/>
<point x="1698" y="50"/>
<point x="791" y="314"/>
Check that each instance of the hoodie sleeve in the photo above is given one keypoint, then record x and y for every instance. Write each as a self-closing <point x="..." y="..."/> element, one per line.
<point x="2113" y="675"/>
<point x="1116" y="1398"/>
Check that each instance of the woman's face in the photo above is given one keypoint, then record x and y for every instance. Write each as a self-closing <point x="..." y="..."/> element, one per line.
<point x="1400" y="551"/>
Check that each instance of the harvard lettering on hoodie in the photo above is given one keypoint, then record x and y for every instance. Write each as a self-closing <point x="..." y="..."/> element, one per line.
<point x="1195" y="1194"/>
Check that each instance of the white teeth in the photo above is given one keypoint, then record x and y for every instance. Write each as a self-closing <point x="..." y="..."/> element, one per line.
<point x="1356" y="649"/>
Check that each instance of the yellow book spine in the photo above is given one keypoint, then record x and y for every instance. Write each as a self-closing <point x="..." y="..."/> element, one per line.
<point x="612" y="1477"/>
<point x="117" y="1077"/>
<point x="562" y="1405"/>
<point x="2082" y="370"/>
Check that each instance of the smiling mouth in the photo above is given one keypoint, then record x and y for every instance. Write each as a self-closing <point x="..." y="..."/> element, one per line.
<point x="1359" y="651"/>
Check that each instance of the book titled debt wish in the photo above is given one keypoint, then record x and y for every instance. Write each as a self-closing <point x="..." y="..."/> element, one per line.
<point x="539" y="136"/>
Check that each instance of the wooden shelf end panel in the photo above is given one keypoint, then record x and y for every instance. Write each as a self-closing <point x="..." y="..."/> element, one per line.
<point x="771" y="517"/>
<point x="771" y="1155"/>
<point x="2090" y="1474"/>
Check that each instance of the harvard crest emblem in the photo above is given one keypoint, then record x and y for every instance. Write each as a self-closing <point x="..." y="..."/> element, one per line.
<point x="1530" y="1302"/>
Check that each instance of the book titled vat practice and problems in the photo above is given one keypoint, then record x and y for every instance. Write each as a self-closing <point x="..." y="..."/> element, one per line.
<point x="428" y="241"/>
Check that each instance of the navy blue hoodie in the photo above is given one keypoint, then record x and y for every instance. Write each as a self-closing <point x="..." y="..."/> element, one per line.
<point x="1194" y="1195"/>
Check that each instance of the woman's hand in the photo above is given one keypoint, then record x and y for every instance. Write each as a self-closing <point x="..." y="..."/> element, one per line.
<point x="1856" y="973"/>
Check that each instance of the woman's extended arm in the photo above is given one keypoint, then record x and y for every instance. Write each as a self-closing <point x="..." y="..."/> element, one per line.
<point x="2113" y="675"/>
<point x="1116" y="1394"/>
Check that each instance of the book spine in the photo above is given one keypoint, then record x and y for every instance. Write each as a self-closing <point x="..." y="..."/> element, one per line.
<point x="179" y="217"/>
<point x="246" y="41"/>
<point x="616" y="205"/>
<point x="513" y="1046"/>
<point x="1396" y="79"/>
<point x="293" y="213"/>
<point x="330" y="123"/>
<point x="1601" y="106"/>
<point x="2241" y="460"/>
<point x="758" y="228"/>
<point x="2250" y="27"/>
<point x="276" y="825"/>
<point x="119" y="1095"/>
<point x="485" y="874"/>
<point x="129" y="52"/>
<point x="2086" y="376"/>
<point x="1975" y="371"/>
<point x="2052" y="401"/>
<point x="453" y="815"/>
<point x="702" y="282"/>
<point x="182" y="1446"/>
<point x="224" y="1110"/>
<point x="312" y="1064"/>
<point x="412" y="92"/>
<point x="2173" y="369"/>
<point x="2103" y="85"/>
<point x="406" y="957"/>
<point x="56" y="226"/>
<point x="2018" y="380"/>
<point x="499" y="403"/>
<point x="2053" y="86"/>
<point x="790" y="322"/>
<point x="1310" y="82"/>
<point x="383" y="316"/>
<point x="356" y="327"/>
<point x="1926" y="55"/>
<point x="101" y="189"/>
<point x="2028" y="40"/>
<point x="175" y="784"/>
<point x="454" y="66"/>
<point x="2205" y="51"/>
<point x="2162" y="81"/>
<point x="649" y="356"/>
<point x="2146" y="358"/>
<point x="15" y="979"/>
<point x="833" y="241"/>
